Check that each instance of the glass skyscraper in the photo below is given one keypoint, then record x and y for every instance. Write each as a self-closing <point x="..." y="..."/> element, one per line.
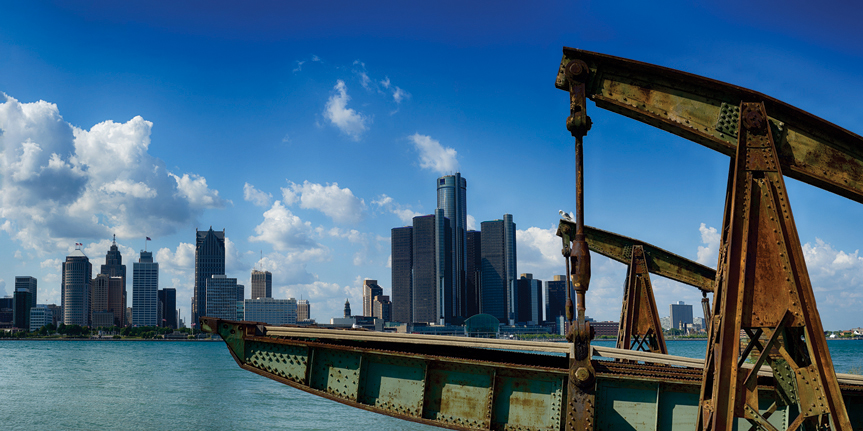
<point x="209" y="261"/>
<point x="262" y="284"/>
<point x="114" y="267"/>
<point x="452" y="199"/>
<point x="499" y="291"/>
<point x="145" y="291"/>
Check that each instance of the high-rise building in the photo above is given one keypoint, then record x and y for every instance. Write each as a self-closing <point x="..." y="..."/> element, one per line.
<point x="432" y="282"/>
<point x="402" y="273"/>
<point x="117" y="299"/>
<point x="209" y="261"/>
<point x="472" y="273"/>
<point x="21" y="313"/>
<point x="168" y="307"/>
<point x="76" y="274"/>
<point x="303" y="310"/>
<point x="28" y="283"/>
<point x="371" y="289"/>
<point x="145" y="291"/>
<point x="681" y="315"/>
<point x="99" y="299"/>
<point x="382" y="308"/>
<point x="7" y="311"/>
<point x="221" y="297"/>
<point x="530" y="300"/>
<point x="262" y="284"/>
<point x="347" y="308"/>
<point x="271" y="311"/>
<point x="452" y="199"/>
<point x="555" y="298"/>
<point x="498" y="290"/>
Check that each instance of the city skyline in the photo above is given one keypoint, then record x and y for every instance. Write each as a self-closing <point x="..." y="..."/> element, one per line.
<point x="321" y="134"/>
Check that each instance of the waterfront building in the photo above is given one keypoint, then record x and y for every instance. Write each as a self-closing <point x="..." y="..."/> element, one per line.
<point x="7" y="311"/>
<point x="209" y="261"/>
<point x="28" y="283"/>
<point x="40" y="315"/>
<point x="21" y="313"/>
<point x="102" y="319"/>
<point x="681" y="315"/>
<point x="555" y="298"/>
<point x="371" y="289"/>
<point x="473" y="272"/>
<point x="498" y="289"/>
<point x="56" y="313"/>
<point x="303" y="310"/>
<point x="168" y="307"/>
<point x="402" y="277"/>
<point x="452" y="199"/>
<point x="76" y="274"/>
<point x="145" y="291"/>
<point x="262" y="284"/>
<point x="382" y="308"/>
<point x="117" y="299"/>
<point x="221" y="297"/>
<point x="432" y="276"/>
<point x="241" y="308"/>
<point x="271" y="311"/>
<point x="530" y="300"/>
<point x="99" y="298"/>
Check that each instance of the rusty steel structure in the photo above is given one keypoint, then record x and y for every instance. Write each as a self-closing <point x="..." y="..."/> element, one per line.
<point x="780" y="377"/>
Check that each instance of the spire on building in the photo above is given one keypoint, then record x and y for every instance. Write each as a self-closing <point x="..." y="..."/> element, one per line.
<point x="347" y="308"/>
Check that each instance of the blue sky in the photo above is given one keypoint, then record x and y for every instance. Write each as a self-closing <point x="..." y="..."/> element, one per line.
<point x="308" y="131"/>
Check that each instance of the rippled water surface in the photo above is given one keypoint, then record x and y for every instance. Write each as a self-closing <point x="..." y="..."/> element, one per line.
<point x="157" y="385"/>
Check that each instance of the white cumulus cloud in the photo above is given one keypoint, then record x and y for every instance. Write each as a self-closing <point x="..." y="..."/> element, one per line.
<point x="707" y="254"/>
<point x="255" y="196"/>
<point x="340" y="204"/>
<point x="285" y="231"/>
<point x="404" y="213"/>
<point x="349" y="121"/>
<point x="433" y="155"/>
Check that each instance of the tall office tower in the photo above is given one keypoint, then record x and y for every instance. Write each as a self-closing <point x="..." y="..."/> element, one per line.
<point x="472" y="273"/>
<point x="75" y="288"/>
<point x="56" y="313"/>
<point x="262" y="284"/>
<point x="680" y="313"/>
<point x="452" y="199"/>
<point x="7" y="311"/>
<point x="99" y="301"/>
<point x="347" y="308"/>
<point x="370" y="290"/>
<point x="241" y="307"/>
<point x="145" y="291"/>
<point x="114" y="267"/>
<point x="303" y="310"/>
<point x="382" y="308"/>
<point x="221" y="297"/>
<point x="498" y="290"/>
<point x="555" y="298"/>
<point x="271" y="311"/>
<point x="209" y="261"/>
<point x="530" y="300"/>
<point x="168" y="304"/>
<point x="21" y="312"/>
<point x="402" y="267"/>
<point x="431" y="291"/>
<point x="28" y="283"/>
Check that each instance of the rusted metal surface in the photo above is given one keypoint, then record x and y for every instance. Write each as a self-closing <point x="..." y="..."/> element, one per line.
<point x="764" y="289"/>
<point x="639" y="319"/>
<point x="660" y="262"/>
<point x="704" y="110"/>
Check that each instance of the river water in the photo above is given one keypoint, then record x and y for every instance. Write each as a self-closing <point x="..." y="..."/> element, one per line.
<point x="159" y="385"/>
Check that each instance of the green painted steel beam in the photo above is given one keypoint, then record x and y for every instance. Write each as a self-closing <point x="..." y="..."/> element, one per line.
<point x="706" y="111"/>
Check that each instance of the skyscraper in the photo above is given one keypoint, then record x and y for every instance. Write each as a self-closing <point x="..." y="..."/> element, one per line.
<point x="221" y="294"/>
<point x="99" y="300"/>
<point x="271" y="311"/>
<point x="262" y="284"/>
<point x="28" y="283"/>
<point x="370" y="290"/>
<point x="168" y="306"/>
<point x="432" y="276"/>
<point x="117" y="299"/>
<point x="452" y="199"/>
<point x="21" y="313"/>
<point x="555" y="298"/>
<point x="680" y="314"/>
<point x="77" y="271"/>
<point x="145" y="291"/>
<point x="382" y="308"/>
<point x="530" y="299"/>
<point x="209" y="261"/>
<point x="402" y="279"/>
<point x="472" y="273"/>
<point x="499" y="291"/>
